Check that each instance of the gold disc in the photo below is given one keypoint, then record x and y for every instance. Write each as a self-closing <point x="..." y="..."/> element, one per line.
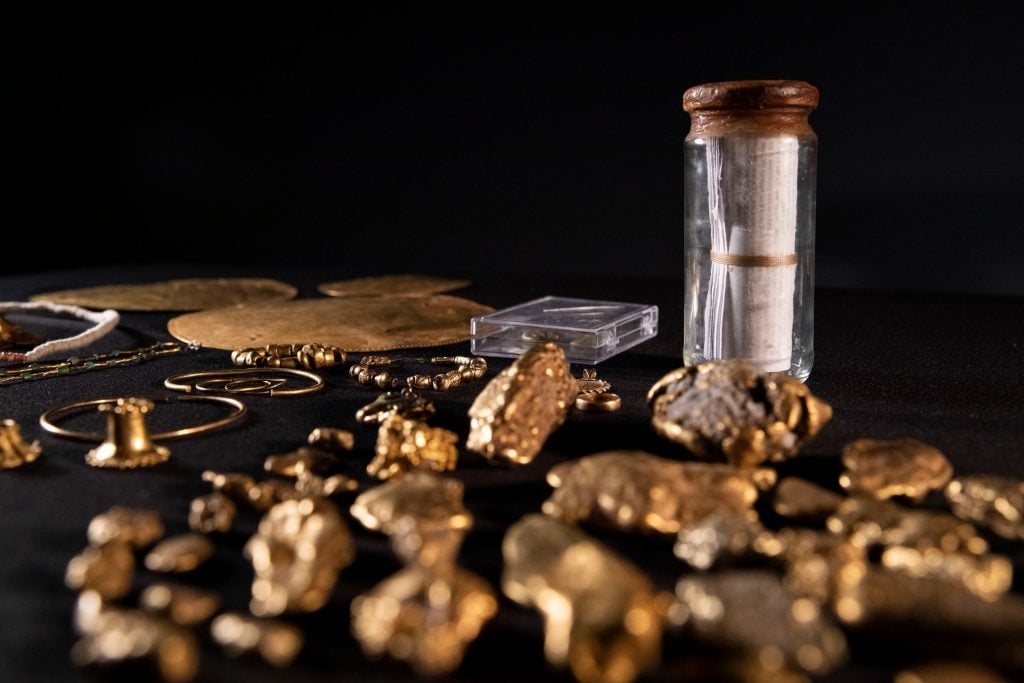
<point x="390" y="285"/>
<point x="354" y="324"/>
<point x="195" y="294"/>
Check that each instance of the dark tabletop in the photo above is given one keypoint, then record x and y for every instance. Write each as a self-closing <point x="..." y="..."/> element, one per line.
<point x="945" y="369"/>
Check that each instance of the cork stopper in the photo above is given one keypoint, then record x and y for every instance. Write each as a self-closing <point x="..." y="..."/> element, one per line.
<point x="751" y="107"/>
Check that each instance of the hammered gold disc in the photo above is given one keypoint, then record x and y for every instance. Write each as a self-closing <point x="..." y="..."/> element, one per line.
<point x="196" y="294"/>
<point x="354" y="324"/>
<point x="391" y="285"/>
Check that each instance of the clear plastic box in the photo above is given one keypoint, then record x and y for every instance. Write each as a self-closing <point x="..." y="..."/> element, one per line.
<point x="589" y="331"/>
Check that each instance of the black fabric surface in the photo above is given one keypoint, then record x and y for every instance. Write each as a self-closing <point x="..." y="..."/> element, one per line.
<point x="945" y="369"/>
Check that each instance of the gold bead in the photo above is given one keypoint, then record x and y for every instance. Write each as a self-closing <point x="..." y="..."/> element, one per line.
<point x="441" y="383"/>
<point x="383" y="380"/>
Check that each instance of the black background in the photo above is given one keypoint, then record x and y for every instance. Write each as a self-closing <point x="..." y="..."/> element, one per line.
<point x="508" y="140"/>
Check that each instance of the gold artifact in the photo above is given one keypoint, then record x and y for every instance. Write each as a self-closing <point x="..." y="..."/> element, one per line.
<point x="25" y="372"/>
<point x="232" y="484"/>
<point x="184" y="605"/>
<point x="602" y="616"/>
<point x="135" y="527"/>
<point x="637" y="491"/>
<point x="987" y="576"/>
<point x="467" y="368"/>
<point x="181" y="553"/>
<point x="14" y="452"/>
<point x="214" y="512"/>
<point x="419" y="617"/>
<point x="732" y="409"/>
<point x="590" y="384"/>
<point x="293" y="356"/>
<point x="128" y="444"/>
<point x="46" y="420"/>
<point x="112" y="635"/>
<point x="297" y="552"/>
<point x="391" y="285"/>
<point x="242" y="488"/>
<point x="329" y="437"/>
<point x="275" y="641"/>
<point x="252" y="381"/>
<point x="423" y="514"/>
<point x="800" y="499"/>
<point x="605" y="402"/>
<point x="13" y="336"/>
<point x="996" y="502"/>
<point x="406" y="403"/>
<point x="882" y="522"/>
<point x="900" y="467"/>
<point x="752" y="612"/>
<point x="520" y="407"/>
<point x="358" y="324"/>
<point x="948" y="672"/>
<point x="108" y="570"/>
<point x="404" y="445"/>
<point x="174" y="295"/>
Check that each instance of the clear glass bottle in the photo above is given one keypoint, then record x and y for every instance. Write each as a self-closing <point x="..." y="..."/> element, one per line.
<point x="749" y="196"/>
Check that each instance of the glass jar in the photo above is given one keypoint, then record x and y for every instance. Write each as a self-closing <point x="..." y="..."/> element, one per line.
<point x="749" y="196"/>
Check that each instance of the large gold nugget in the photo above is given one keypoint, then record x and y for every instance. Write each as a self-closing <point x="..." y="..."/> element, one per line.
<point x="417" y="616"/>
<point x="733" y="410"/>
<point x="517" y="411"/>
<point x="900" y="467"/>
<point x="601" y="613"/>
<point x="637" y="491"/>
<point x="297" y="552"/>
<point x="996" y="502"/>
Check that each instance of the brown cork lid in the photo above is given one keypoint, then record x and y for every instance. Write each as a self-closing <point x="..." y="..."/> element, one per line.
<point x="750" y="95"/>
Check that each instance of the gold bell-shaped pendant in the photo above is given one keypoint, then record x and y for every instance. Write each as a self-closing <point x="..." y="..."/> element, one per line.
<point x="128" y="444"/>
<point x="14" y="452"/>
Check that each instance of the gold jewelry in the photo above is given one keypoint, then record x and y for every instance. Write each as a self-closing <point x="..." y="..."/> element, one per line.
<point x="14" y="451"/>
<point x="590" y="384"/>
<point x="467" y="369"/>
<point x="606" y="402"/>
<point x="305" y="356"/>
<point x="256" y="381"/>
<point x="97" y="361"/>
<point x="406" y="403"/>
<point x="46" y="420"/>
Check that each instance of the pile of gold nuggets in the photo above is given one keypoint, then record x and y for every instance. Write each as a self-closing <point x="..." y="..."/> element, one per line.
<point x="777" y="575"/>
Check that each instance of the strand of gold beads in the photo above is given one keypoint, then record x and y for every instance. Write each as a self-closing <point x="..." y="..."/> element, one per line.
<point x="368" y="372"/>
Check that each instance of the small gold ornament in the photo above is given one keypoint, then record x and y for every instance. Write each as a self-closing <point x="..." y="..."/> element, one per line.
<point x="590" y="384"/>
<point x="900" y="467"/>
<point x="406" y="403"/>
<point x="184" y="605"/>
<point x="329" y="437"/>
<point x="135" y="527"/>
<point x="211" y="513"/>
<point x="14" y="452"/>
<point x="733" y="410"/>
<point x="107" y="570"/>
<point x="996" y="502"/>
<point x="800" y="499"/>
<point x="516" y="412"/>
<point x="128" y="444"/>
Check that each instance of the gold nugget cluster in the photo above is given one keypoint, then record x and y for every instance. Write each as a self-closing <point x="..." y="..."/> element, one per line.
<point x="733" y="410"/>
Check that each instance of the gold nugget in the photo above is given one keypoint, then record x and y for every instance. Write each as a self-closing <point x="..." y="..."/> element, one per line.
<point x="419" y="617"/>
<point x="518" y="409"/>
<point x="637" y="491"/>
<point x="329" y="437"/>
<point x="212" y="513"/>
<point x="800" y="499"/>
<point x="987" y="576"/>
<point x="404" y="444"/>
<point x="297" y="552"/>
<point x="881" y="522"/>
<point x="733" y="410"/>
<point x="900" y="467"/>
<point x="107" y="570"/>
<point x="996" y="502"/>
<point x="135" y="527"/>
<point x="14" y="451"/>
<point x="313" y="459"/>
<point x="184" y="605"/>
<point x="275" y="641"/>
<point x="752" y="612"/>
<point x="113" y="635"/>
<point x="602" y="615"/>
<point x="179" y="554"/>
<point x="422" y="513"/>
